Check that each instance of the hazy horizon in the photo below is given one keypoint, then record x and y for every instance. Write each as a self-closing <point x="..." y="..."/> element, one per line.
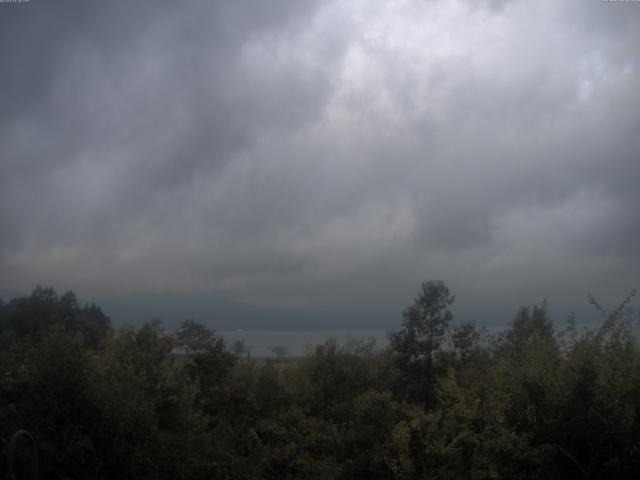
<point x="225" y="316"/>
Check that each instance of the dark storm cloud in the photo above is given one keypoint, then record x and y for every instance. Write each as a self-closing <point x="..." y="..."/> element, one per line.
<point x="325" y="154"/>
<point x="136" y="100"/>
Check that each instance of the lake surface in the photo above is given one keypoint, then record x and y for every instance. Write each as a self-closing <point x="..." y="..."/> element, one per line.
<point x="262" y="342"/>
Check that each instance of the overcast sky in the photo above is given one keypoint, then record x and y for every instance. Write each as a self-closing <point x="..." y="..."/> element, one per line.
<point x="322" y="155"/>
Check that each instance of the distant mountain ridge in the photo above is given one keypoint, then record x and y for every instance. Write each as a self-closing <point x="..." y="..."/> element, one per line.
<point x="223" y="314"/>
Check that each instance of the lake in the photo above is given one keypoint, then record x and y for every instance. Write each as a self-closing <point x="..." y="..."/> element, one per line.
<point x="261" y="342"/>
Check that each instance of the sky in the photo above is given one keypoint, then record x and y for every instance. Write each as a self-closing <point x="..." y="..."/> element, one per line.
<point x="322" y="155"/>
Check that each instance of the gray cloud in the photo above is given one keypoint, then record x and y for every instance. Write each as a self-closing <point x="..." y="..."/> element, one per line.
<point x="321" y="154"/>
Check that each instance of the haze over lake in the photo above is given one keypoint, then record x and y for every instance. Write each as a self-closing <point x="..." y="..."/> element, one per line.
<point x="261" y="343"/>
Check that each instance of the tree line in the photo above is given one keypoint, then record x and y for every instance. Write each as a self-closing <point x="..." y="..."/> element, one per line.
<point x="442" y="401"/>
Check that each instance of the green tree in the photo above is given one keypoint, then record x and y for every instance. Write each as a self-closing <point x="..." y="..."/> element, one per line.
<point x="52" y="396"/>
<point x="529" y="322"/>
<point x="194" y="337"/>
<point x="240" y="349"/>
<point x="33" y="317"/>
<point x="419" y="341"/>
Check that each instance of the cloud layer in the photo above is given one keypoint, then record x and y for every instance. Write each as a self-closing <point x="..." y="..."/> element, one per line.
<point x="321" y="154"/>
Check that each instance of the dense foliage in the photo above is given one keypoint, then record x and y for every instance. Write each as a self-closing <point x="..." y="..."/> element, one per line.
<point x="442" y="401"/>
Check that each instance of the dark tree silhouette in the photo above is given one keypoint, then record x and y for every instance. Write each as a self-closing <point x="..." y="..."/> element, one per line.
<point x="420" y="339"/>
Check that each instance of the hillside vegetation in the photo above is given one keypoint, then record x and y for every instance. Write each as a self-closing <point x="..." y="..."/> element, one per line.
<point x="443" y="401"/>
